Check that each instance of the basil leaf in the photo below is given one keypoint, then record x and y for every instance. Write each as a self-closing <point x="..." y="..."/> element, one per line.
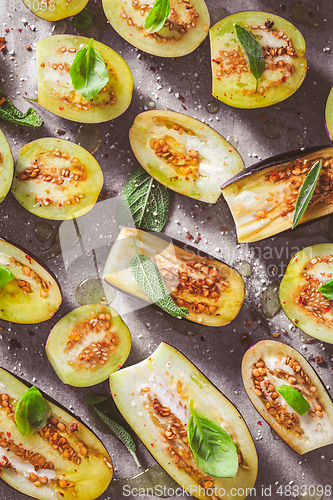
<point x="118" y="430"/>
<point x="294" y="399"/>
<point x="327" y="289"/>
<point x="157" y="16"/>
<point x="144" y="201"/>
<point x="306" y="192"/>
<point x="148" y="277"/>
<point x="83" y="20"/>
<point x="214" y="450"/>
<point x="30" y="412"/>
<point x="88" y="71"/>
<point x="5" y="276"/>
<point x="253" y="52"/>
<point x="8" y="112"/>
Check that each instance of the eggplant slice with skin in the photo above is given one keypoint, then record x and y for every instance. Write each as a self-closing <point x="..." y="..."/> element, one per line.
<point x="262" y="198"/>
<point x="212" y="291"/>
<point x="270" y="364"/>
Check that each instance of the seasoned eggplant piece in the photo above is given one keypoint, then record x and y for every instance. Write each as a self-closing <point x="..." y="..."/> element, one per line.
<point x="154" y="396"/>
<point x="54" y="10"/>
<point x="266" y="367"/>
<point x="184" y="154"/>
<point x="63" y="460"/>
<point x="88" y="344"/>
<point x="262" y="199"/>
<point x="6" y="167"/>
<point x="32" y="295"/>
<point x="283" y="48"/>
<point x="300" y="298"/>
<point x="212" y="291"/>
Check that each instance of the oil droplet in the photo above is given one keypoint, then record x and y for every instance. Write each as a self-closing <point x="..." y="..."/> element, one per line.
<point x="94" y="291"/>
<point x="88" y="137"/>
<point x="43" y="231"/>
<point x="305" y="338"/>
<point x="301" y="13"/>
<point x="149" y="103"/>
<point x="270" y="301"/>
<point x="233" y="140"/>
<point x="59" y="28"/>
<point x="273" y="129"/>
<point x="152" y="477"/>
<point x="244" y="268"/>
<point x="212" y="107"/>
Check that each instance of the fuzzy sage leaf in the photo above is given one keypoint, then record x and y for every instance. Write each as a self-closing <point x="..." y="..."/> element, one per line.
<point x="253" y="52"/>
<point x="148" y="277"/>
<point x="157" y="16"/>
<point x="8" y="112"/>
<point x="144" y="202"/>
<point x="214" y="450"/>
<point x="327" y="289"/>
<point x="306" y="192"/>
<point x="30" y="412"/>
<point x="88" y="71"/>
<point x="83" y="20"/>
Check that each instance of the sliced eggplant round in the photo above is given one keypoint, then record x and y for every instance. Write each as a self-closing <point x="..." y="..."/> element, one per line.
<point x="262" y="198"/>
<point x="329" y="115"/>
<point x="268" y="365"/>
<point x="6" y="167"/>
<point x="154" y="397"/>
<point x="302" y="302"/>
<point x="56" y="92"/>
<point x="63" y="460"/>
<point x="32" y="295"/>
<point x="184" y="154"/>
<point x="283" y="48"/>
<point x="185" y="28"/>
<point x="56" y="179"/>
<point x="88" y="344"/>
<point x="216" y="291"/>
<point x="54" y="10"/>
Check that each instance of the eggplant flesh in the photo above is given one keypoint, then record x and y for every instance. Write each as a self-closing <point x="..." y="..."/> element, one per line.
<point x="269" y="364"/>
<point x="262" y="199"/>
<point x="212" y="291"/>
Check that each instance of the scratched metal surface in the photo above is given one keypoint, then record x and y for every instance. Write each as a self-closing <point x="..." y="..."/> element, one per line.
<point x="217" y="352"/>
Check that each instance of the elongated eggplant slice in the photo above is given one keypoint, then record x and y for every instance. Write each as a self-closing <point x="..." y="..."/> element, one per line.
<point x="300" y="298"/>
<point x="88" y="344"/>
<point x="56" y="179"/>
<point x="6" y="167"/>
<point x="329" y="115"/>
<point x="33" y="295"/>
<point x="154" y="397"/>
<point x="54" y="10"/>
<point x="270" y="364"/>
<point x="212" y="291"/>
<point x="57" y="94"/>
<point x="262" y="199"/>
<point x="283" y="47"/>
<point x="62" y="460"/>
<point x="185" y="28"/>
<point x="184" y="154"/>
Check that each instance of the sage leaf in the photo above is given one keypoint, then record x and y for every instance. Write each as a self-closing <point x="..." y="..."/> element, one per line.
<point x="9" y="113"/>
<point x="148" y="277"/>
<point x="327" y="289"/>
<point x="294" y="399"/>
<point x="83" y="20"/>
<point x="88" y="71"/>
<point x="253" y="52"/>
<point x="306" y="192"/>
<point x="157" y="16"/>
<point x="214" y="450"/>
<point x="144" y="202"/>
<point x="30" y="412"/>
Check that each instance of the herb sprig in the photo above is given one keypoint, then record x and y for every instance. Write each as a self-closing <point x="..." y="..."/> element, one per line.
<point x="9" y="113"/>
<point x="327" y="289"/>
<point x="30" y="412"/>
<point x="294" y="399"/>
<point x="157" y="16"/>
<point x="253" y="52"/>
<point x="306" y="192"/>
<point x="83" y="20"/>
<point x="5" y="276"/>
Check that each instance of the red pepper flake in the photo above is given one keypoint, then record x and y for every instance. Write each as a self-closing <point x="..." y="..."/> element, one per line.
<point x="8" y="434"/>
<point x="2" y="100"/>
<point x="61" y="108"/>
<point x="28" y="47"/>
<point x="261" y="116"/>
<point x="259" y="422"/>
<point x="7" y="30"/>
<point x="106" y="155"/>
<point x="283" y="79"/>
<point x="19" y="29"/>
<point x="3" y="47"/>
<point x="318" y="360"/>
<point x="181" y="98"/>
<point x="208" y="218"/>
<point x="28" y="258"/>
<point x="189" y="236"/>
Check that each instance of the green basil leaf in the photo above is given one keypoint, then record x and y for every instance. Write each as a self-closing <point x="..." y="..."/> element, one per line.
<point x="5" y="276"/>
<point x="148" y="277"/>
<point x="157" y="16"/>
<point x="214" y="450"/>
<point x="89" y="72"/>
<point x="30" y="412"/>
<point x="8" y="112"/>
<point x="327" y="289"/>
<point x="253" y="52"/>
<point x="144" y="201"/>
<point x="294" y="399"/>
<point x="83" y="20"/>
<point x="306" y="192"/>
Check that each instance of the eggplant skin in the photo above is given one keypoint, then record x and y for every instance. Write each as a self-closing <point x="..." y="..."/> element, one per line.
<point x="268" y="351"/>
<point x="262" y="198"/>
<point x="169" y="378"/>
